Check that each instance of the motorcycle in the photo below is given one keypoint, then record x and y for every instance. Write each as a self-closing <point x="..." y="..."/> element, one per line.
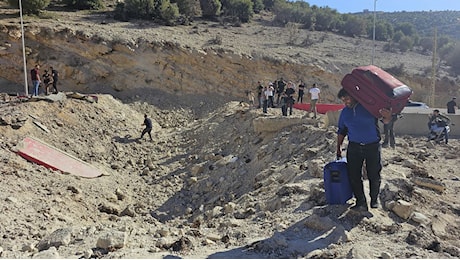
<point x="438" y="133"/>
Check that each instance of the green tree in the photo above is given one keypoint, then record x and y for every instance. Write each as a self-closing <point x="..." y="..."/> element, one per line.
<point x="383" y="31"/>
<point x="398" y="36"/>
<point x="186" y="7"/>
<point x="326" y="19"/>
<point x="258" y="5"/>
<point x="30" y="6"/>
<point x="426" y="43"/>
<point x="353" y="26"/>
<point x="142" y="9"/>
<point x="242" y="9"/>
<point x="84" y="4"/>
<point x="166" y="11"/>
<point x="454" y="60"/>
<point x="210" y="8"/>
<point x="406" y="28"/>
<point x="406" y="43"/>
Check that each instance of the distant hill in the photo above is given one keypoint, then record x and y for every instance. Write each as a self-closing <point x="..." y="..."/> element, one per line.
<point x="447" y="22"/>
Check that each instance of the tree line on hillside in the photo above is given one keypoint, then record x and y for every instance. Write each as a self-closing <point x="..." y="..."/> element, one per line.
<point x="399" y="34"/>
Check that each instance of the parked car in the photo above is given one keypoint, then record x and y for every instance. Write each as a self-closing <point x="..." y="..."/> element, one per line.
<point x="414" y="106"/>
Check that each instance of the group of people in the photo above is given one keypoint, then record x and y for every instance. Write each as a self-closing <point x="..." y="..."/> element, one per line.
<point x="281" y="93"/>
<point x="50" y="78"/>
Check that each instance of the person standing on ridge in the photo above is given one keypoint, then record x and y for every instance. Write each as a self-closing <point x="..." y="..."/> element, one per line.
<point x="301" y="92"/>
<point x="55" y="76"/>
<point x="451" y="106"/>
<point x="314" y="98"/>
<point x="148" y="127"/>
<point x="35" y="75"/>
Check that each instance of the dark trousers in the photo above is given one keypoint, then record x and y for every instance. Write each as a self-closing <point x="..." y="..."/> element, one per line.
<point x="284" y="109"/>
<point x="265" y="105"/>
<point x="270" y="101"/>
<point x="300" y="97"/>
<point x="290" y="103"/>
<point x="147" y="130"/>
<point x="356" y="155"/>
<point x="55" y="90"/>
<point x="389" y="134"/>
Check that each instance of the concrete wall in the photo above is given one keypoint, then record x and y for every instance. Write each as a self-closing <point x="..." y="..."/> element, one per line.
<point x="412" y="123"/>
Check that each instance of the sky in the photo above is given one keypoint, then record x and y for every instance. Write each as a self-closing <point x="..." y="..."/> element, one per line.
<point x="354" y="6"/>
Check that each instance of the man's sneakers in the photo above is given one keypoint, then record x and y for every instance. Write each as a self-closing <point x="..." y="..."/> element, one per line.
<point x="359" y="207"/>
<point x="363" y="206"/>
<point x="374" y="204"/>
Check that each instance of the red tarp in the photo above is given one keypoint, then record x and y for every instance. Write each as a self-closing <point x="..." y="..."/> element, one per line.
<point x="41" y="153"/>
<point x="320" y="108"/>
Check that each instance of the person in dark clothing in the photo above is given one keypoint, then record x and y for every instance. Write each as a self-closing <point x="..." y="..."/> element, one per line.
<point x="55" y="76"/>
<point x="301" y="92"/>
<point x="451" y="106"/>
<point x="389" y="132"/>
<point x="148" y="127"/>
<point x="47" y="80"/>
<point x="362" y="130"/>
<point x="281" y="84"/>
<point x="290" y="91"/>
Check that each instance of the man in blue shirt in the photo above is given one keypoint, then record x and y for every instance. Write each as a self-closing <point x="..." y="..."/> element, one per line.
<point x="363" y="133"/>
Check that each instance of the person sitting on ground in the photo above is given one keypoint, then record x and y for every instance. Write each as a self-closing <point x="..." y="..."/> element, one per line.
<point x="437" y="123"/>
<point x="148" y="127"/>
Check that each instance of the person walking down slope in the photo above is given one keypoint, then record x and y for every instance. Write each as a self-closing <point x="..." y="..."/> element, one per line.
<point x="362" y="130"/>
<point x="148" y="127"/>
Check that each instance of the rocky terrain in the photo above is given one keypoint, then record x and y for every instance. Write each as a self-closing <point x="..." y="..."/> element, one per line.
<point x="218" y="180"/>
<point x="211" y="188"/>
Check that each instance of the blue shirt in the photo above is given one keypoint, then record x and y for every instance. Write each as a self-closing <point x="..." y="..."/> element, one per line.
<point x="359" y="125"/>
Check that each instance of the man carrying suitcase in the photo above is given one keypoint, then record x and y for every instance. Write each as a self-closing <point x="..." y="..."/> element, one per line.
<point x="363" y="133"/>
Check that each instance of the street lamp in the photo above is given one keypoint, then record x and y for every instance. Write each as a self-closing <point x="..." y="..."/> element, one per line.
<point x="23" y="49"/>
<point x="373" y="35"/>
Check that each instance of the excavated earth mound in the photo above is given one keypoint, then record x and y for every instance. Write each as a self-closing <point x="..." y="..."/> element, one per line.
<point x="211" y="188"/>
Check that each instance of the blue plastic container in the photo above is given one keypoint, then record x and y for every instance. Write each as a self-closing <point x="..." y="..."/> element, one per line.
<point x="336" y="183"/>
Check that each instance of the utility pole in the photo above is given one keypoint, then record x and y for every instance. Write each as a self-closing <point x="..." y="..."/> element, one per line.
<point x="26" y="87"/>
<point x="433" y="69"/>
<point x="373" y="35"/>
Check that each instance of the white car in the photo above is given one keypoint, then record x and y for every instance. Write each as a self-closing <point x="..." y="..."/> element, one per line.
<point x="413" y="106"/>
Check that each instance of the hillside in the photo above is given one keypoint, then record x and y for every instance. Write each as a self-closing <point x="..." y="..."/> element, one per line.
<point x="209" y="185"/>
<point x="96" y="54"/>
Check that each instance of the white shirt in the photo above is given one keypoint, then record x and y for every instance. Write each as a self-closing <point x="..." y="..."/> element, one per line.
<point x="314" y="92"/>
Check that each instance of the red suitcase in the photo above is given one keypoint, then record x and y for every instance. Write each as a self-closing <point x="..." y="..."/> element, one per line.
<point x="375" y="89"/>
